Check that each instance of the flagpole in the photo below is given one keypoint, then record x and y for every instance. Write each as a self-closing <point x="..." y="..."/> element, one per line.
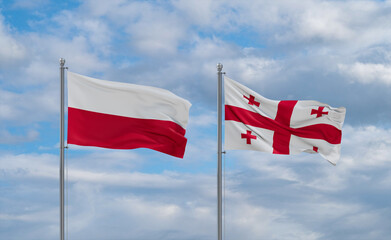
<point x="219" y="151"/>
<point x="62" y="68"/>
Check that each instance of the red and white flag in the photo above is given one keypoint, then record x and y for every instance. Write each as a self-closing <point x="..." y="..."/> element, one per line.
<point x="253" y="122"/>
<point x="125" y="116"/>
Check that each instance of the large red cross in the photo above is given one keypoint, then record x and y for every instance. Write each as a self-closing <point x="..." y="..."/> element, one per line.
<point x="248" y="136"/>
<point x="251" y="100"/>
<point x="281" y="126"/>
<point x="319" y="112"/>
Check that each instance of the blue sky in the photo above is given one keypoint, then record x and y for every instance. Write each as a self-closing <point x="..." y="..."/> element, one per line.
<point x="337" y="52"/>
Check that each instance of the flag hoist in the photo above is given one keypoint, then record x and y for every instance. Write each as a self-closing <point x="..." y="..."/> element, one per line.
<point x="253" y="122"/>
<point x="119" y="115"/>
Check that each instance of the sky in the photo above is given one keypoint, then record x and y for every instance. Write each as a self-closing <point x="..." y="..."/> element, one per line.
<point x="336" y="52"/>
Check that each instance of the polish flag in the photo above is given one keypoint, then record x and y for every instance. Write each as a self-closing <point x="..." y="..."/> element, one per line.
<point x="125" y="116"/>
<point x="253" y="122"/>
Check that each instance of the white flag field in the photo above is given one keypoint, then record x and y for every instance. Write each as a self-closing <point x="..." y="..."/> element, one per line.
<point x="253" y="122"/>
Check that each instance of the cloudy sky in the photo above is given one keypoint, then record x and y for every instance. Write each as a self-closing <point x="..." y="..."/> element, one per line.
<point x="336" y="52"/>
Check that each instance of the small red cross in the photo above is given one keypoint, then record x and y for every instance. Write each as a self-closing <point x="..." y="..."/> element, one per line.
<point x="248" y="136"/>
<point x="251" y="100"/>
<point x="319" y="112"/>
<point x="315" y="149"/>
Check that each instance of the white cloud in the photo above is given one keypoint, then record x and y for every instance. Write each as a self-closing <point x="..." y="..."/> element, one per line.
<point x="45" y="166"/>
<point x="42" y="216"/>
<point x="245" y="218"/>
<point x="30" y="166"/>
<point x="205" y="119"/>
<point x="323" y="21"/>
<point x="48" y="50"/>
<point x="210" y="15"/>
<point x="351" y="24"/>
<point x="156" y="37"/>
<point x="251" y="69"/>
<point x="118" y="159"/>
<point x="367" y="146"/>
<point x="29" y="4"/>
<point x="8" y="138"/>
<point x="364" y="150"/>
<point x="136" y="179"/>
<point x="367" y="73"/>
<point x="96" y="31"/>
<point x="151" y="29"/>
<point x="204" y="14"/>
<point x="11" y="49"/>
<point x="156" y="32"/>
<point x="267" y="196"/>
<point x="14" y="107"/>
<point x="117" y="193"/>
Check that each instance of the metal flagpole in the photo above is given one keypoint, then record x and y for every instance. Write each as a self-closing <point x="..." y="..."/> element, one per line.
<point x="219" y="151"/>
<point x="62" y="68"/>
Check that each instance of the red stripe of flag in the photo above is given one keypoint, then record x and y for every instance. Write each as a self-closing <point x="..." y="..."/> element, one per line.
<point x="281" y="138"/>
<point x="326" y="132"/>
<point x="87" y="128"/>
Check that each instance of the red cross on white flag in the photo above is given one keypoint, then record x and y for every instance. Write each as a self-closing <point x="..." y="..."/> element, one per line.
<point x="280" y="127"/>
<point x="248" y="136"/>
<point x="319" y="112"/>
<point x="251" y="100"/>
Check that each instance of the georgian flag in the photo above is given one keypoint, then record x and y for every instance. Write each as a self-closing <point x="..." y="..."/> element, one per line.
<point x="253" y="122"/>
<point x="125" y="116"/>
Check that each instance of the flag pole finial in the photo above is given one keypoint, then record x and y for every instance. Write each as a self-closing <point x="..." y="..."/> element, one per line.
<point x="219" y="67"/>
<point x="62" y="61"/>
